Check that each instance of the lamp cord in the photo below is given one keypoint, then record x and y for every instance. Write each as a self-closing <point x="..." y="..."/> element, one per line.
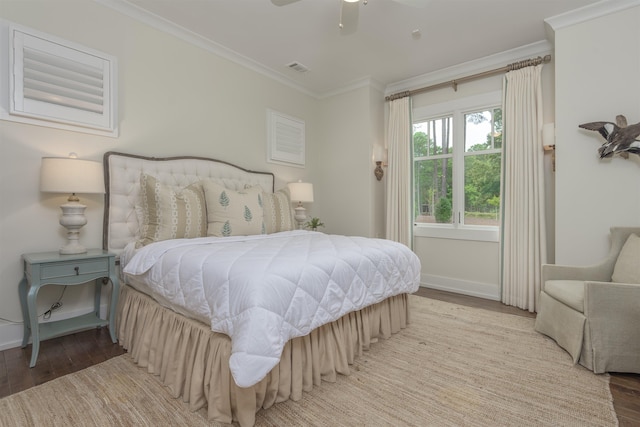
<point x="47" y="314"/>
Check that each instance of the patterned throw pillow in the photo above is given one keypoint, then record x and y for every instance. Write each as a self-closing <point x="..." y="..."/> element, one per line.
<point x="233" y="213"/>
<point x="277" y="211"/>
<point x="168" y="213"/>
<point x="627" y="268"/>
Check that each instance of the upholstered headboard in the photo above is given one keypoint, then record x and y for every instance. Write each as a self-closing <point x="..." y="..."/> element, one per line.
<point x="122" y="183"/>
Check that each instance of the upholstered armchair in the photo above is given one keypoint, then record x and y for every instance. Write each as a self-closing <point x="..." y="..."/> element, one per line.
<point x="593" y="312"/>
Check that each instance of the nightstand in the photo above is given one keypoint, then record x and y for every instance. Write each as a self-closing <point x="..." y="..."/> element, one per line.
<point x="52" y="268"/>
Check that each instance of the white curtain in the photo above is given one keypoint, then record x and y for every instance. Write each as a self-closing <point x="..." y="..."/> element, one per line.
<point x="399" y="219"/>
<point x="523" y="207"/>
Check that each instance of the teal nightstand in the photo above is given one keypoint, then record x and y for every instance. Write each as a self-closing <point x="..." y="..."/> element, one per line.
<point x="52" y="268"/>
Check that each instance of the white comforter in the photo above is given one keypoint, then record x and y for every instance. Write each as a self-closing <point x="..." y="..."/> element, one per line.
<point x="264" y="290"/>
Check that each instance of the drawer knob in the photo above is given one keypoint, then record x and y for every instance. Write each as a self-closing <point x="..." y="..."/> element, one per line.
<point x="77" y="269"/>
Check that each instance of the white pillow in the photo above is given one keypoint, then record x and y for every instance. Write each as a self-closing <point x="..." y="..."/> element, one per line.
<point x="627" y="268"/>
<point x="233" y="213"/>
<point x="167" y="213"/>
<point x="277" y="211"/>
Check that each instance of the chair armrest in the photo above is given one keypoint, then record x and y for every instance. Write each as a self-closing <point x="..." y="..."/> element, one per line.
<point x="599" y="272"/>
<point x="611" y="296"/>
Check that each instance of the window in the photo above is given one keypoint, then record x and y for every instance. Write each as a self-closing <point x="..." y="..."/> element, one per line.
<point x="456" y="175"/>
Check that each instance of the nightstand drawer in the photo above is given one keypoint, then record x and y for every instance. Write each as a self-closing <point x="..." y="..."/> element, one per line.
<point x="74" y="268"/>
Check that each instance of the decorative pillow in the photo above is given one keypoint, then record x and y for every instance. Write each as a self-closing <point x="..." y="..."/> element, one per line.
<point x="277" y="211"/>
<point x="627" y="268"/>
<point x="233" y="213"/>
<point x="168" y="213"/>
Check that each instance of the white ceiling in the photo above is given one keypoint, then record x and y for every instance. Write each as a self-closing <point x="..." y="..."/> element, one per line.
<point x="377" y="46"/>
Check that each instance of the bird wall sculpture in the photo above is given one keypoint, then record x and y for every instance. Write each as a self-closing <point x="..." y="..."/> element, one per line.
<point x="621" y="139"/>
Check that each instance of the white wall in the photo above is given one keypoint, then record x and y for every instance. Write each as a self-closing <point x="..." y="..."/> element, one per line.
<point x="597" y="78"/>
<point x="174" y="99"/>
<point x="349" y="196"/>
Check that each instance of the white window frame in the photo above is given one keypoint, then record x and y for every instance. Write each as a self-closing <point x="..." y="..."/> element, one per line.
<point x="20" y="103"/>
<point x="458" y="108"/>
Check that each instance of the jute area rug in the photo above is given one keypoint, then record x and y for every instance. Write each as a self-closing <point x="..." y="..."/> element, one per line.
<point x="453" y="366"/>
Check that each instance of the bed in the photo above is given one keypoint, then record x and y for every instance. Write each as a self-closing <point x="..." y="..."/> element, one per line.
<point x="225" y="301"/>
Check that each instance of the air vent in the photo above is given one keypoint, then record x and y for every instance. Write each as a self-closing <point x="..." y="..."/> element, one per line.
<point x="298" y="67"/>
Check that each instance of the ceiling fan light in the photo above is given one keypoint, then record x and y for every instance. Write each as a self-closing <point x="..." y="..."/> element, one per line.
<point x="352" y="1"/>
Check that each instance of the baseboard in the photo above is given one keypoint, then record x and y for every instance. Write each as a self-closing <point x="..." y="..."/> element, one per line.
<point x="475" y="289"/>
<point x="11" y="333"/>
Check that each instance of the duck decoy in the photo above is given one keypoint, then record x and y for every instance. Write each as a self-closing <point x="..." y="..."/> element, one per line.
<point x="621" y="138"/>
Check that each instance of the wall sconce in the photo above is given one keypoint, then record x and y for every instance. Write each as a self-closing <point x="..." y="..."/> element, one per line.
<point x="549" y="141"/>
<point x="380" y="153"/>
<point x="378" y="172"/>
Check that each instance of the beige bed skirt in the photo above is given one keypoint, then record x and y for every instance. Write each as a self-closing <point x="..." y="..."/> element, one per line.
<point x="193" y="362"/>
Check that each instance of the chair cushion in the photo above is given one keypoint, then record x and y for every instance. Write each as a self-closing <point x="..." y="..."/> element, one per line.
<point x="627" y="268"/>
<point x="568" y="292"/>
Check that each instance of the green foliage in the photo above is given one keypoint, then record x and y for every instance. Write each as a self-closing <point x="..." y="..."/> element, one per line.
<point x="482" y="182"/>
<point x="314" y="223"/>
<point x="494" y="201"/>
<point x="433" y="178"/>
<point x="483" y="215"/>
<point x="443" y="210"/>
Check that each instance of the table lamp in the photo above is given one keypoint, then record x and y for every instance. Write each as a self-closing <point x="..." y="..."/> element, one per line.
<point x="301" y="192"/>
<point x="71" y="175"/>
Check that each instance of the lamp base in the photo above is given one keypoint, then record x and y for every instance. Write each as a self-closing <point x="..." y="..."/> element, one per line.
<point x="71" y="249"/>
<point x="73" y="220"/>
<point x="300" y="216"/>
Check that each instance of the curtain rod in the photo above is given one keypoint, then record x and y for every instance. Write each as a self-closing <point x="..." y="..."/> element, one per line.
<point x="454" y="83"/>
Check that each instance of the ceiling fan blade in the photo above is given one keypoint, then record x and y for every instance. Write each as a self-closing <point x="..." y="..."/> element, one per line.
<point x="349" y="17"/>
<point x="283" y="2"/>
<point x="414" y="3"/>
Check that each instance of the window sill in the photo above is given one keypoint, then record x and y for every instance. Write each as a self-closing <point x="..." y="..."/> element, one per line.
<point x="476" y="233"/>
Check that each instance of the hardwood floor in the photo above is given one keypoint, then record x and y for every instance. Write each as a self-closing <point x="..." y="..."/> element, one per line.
<point x="57" y="357"/>
<point x="71" y="353"/>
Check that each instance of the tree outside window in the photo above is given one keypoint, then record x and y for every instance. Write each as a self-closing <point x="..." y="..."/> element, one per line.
<point x="457" y="161"/>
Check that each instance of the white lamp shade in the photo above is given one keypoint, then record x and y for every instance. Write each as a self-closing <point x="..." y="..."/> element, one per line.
<point x="69" y="175"/>
<point x="301" y="191"/>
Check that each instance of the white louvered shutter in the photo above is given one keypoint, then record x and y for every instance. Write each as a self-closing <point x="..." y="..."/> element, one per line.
<point x="61" y="82"/>
<point x="286" y="139"/>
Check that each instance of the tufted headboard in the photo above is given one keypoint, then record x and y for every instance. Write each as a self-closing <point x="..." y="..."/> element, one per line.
<point x="122" y="184"/>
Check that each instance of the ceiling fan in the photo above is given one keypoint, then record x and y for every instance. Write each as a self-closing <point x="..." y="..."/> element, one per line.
<point x="349" y="9"/>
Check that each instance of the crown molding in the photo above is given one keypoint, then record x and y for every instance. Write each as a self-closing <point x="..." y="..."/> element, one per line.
<point x="182" y="33"/>
<point x="357" y="84"/>
<point x="586" y="13"/>
<point x="487" y="63"/>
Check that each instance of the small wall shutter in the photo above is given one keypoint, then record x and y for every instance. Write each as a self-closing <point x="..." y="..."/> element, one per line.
<point x="57" y="81"/>
<point x="286" y="139"/>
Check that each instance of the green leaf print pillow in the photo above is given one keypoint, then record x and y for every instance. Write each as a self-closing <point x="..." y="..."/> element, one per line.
<point x="233" y="213"/>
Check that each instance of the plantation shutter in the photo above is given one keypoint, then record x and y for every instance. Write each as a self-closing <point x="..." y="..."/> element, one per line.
<point x="58" y="81"/>
<point x="286" y="139"/>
